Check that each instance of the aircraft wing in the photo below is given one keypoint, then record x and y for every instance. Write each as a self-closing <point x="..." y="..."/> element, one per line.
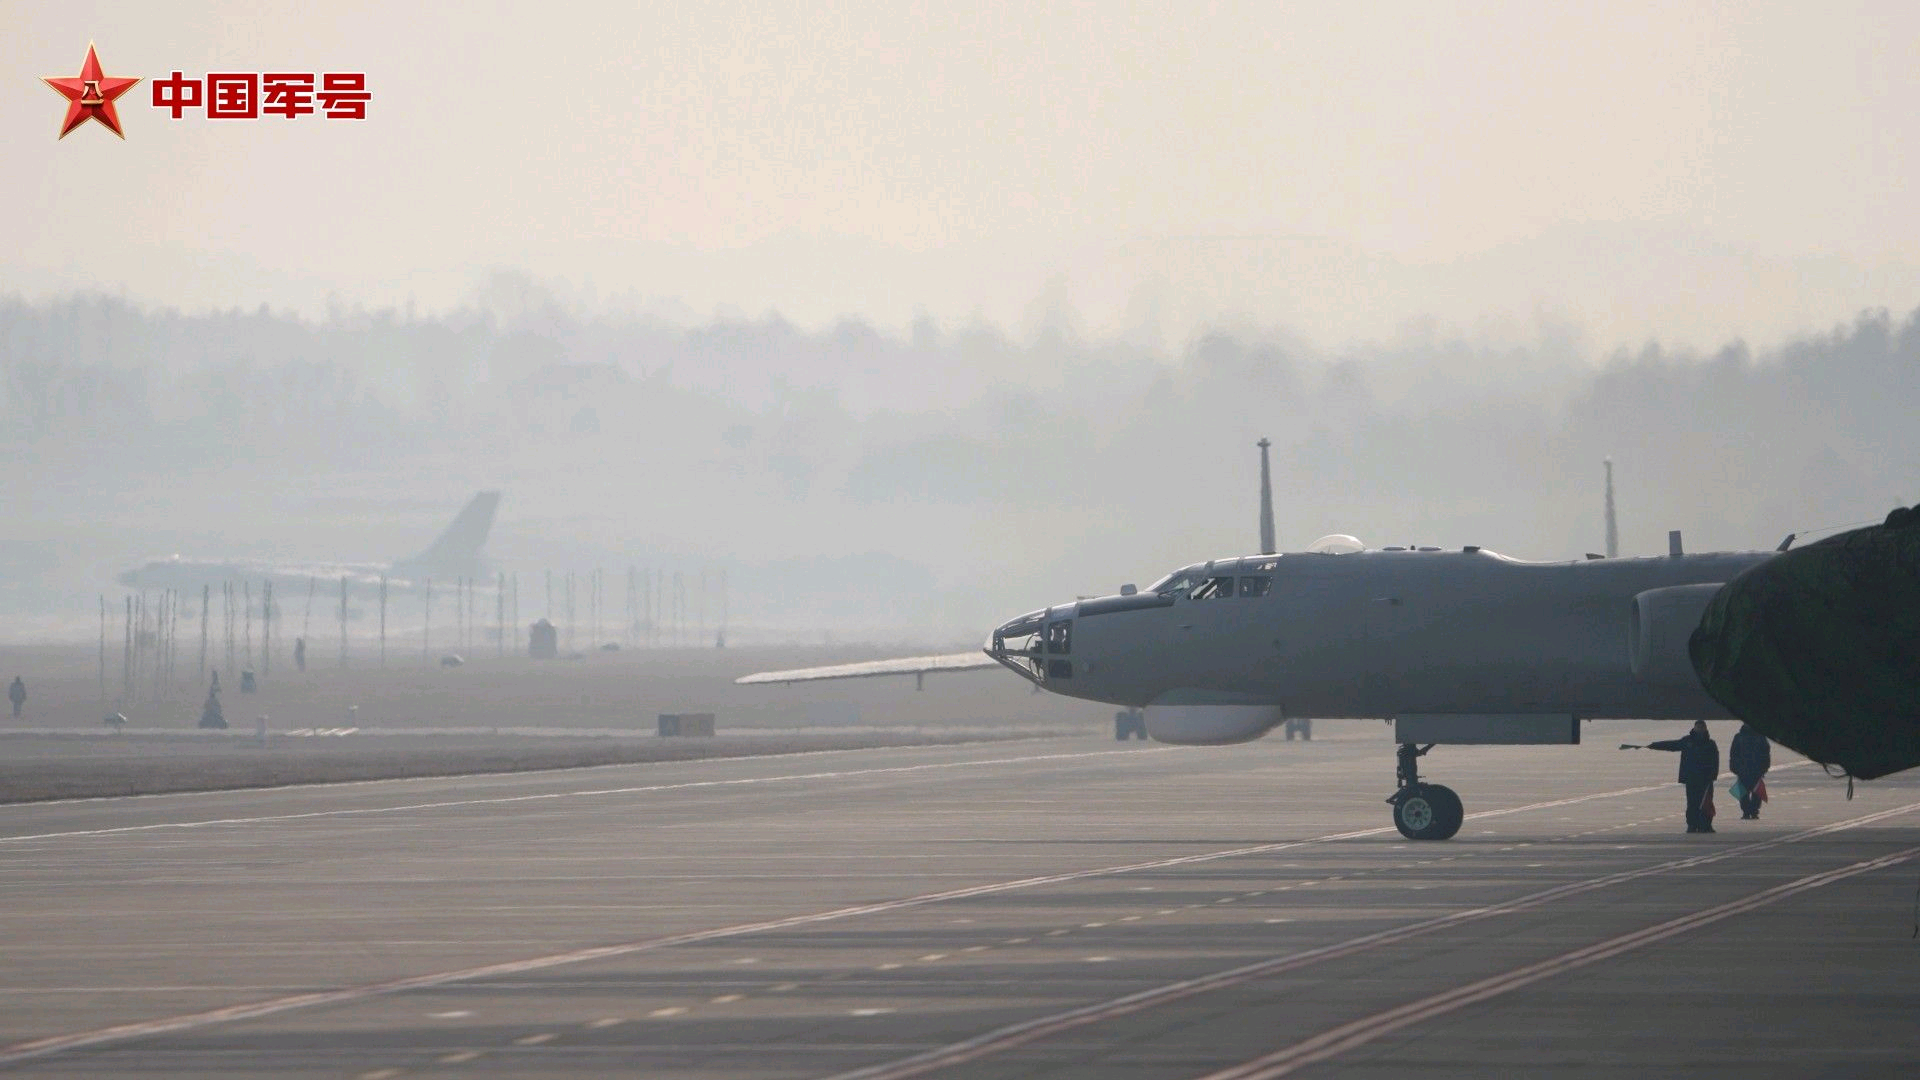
<point x="905" y="665"/>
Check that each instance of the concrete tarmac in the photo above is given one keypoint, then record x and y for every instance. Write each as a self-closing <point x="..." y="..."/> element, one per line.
<point x="1049" y="908"/>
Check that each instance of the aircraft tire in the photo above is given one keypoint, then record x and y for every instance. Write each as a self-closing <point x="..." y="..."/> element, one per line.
<point x="1428" y="812"/>
<point x="1448" y="812"/>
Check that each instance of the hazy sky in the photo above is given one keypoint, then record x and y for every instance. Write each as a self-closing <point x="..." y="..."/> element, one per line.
<point x="1696" y="170"/>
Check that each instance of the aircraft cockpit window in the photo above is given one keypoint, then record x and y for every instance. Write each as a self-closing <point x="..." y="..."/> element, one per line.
<point x="1255" y="587"/>
<point x="1215" y="588"/>
<point x="1178" y="582"/>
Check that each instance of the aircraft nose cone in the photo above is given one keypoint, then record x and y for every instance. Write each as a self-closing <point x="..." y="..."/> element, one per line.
<point x="1024" y="643"/>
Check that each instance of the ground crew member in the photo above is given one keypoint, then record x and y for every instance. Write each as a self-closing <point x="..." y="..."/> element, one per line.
<point x="1699" y="768"/>
<point x="17" y="693"/>
<point x="211" y="715"/>
<point x="1749" y="757"/>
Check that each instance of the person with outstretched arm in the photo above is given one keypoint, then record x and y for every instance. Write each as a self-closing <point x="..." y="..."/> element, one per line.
<point x="1699" y="768"/>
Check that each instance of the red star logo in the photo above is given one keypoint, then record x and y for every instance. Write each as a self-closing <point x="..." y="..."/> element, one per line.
<point x="90" y="97"/>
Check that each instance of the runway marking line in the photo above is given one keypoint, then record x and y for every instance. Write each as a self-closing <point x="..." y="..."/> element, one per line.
<point x="57" y="1044"/>
<point x="1026" y="1031"/>
<point x="533" y="1040"/>
<point x="1350" y="1036"/>
<point x="547" y="796"/>
<point x="460" y="1057"/>
<point x="539" y="773"/>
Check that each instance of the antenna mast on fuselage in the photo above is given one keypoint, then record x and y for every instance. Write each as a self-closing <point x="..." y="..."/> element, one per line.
<point x="1266" y="501"/>
<point x="1613" y="529"/>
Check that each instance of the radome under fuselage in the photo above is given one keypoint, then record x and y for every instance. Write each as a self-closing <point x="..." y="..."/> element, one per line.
<point x="1374" y="634"/>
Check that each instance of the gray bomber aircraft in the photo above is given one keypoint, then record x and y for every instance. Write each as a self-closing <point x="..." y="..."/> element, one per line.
<point x="1460" y="646"/>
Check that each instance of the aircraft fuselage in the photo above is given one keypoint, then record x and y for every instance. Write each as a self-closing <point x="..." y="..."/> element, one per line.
<point x="1373" y="634"/>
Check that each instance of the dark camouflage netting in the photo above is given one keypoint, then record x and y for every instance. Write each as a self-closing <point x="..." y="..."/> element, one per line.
<point x="1819" y="648"/>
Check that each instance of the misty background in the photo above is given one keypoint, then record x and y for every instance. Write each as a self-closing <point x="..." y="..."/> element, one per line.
<point x="911" y="318"/>
<point x="896" y="487"/>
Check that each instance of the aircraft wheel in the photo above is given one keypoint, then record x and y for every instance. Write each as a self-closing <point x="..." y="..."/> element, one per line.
<point x="1428" y="812"/>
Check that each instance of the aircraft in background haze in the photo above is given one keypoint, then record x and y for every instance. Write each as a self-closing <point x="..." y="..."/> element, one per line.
<point x="455" y="554"/>
<point x="1462" y="646"/>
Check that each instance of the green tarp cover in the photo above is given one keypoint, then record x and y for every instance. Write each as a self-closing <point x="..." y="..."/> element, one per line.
<point x="1819" y="648"/>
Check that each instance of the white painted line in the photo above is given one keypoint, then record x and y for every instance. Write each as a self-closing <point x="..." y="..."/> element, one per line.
<point x="1331" y="1044"/>
<point x="1027" y="1031"/>
<point x="932" y="956"/>
<point x="605" y="1022"/>
<point x="869" y="1012"/>
<point x="459" y="1057"/>
<point x="671" y="1010"/>
<point x="1099" y="959"/>
<point x="784" y="987"/>
<point x="380" y="1074"/>
<point x="534" y="1040"/>
<point x="888" y="967"/>
<point x="549" y="796"/>
<point x="571" y="770"/>
<point x="55" y="1044"/>
<point x="451" y="1014"/>
<point x="725" y="999"/>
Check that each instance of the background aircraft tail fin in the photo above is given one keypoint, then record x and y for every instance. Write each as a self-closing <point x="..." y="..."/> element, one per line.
<point x="458" y="549"/>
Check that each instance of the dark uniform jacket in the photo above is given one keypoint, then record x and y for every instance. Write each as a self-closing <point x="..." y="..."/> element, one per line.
<point x="1749" y="756"/>
<point x="1699" y="757"/>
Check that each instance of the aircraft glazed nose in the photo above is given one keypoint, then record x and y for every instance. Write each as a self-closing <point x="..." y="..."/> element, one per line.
<point x="1037" y="645"/>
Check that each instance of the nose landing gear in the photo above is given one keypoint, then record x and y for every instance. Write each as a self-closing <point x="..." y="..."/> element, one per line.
<point x="1423" y="811"/>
